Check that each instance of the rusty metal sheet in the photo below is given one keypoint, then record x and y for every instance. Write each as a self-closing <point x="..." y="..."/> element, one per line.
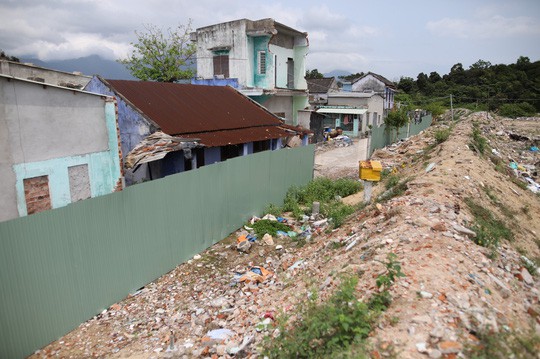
<point x="181" y="108"/>
<point x="241" y="135"/>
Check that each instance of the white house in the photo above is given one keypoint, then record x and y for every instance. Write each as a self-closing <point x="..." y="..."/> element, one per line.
<point x="263" y="59"/>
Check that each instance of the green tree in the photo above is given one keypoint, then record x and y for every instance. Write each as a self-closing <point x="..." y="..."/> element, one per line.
<point x="314" y="74"/>
<point x="3" y="56"/>
<point x="162" y="56"/>
<point x="351" y="77"/>
<point x="396" y="119"/>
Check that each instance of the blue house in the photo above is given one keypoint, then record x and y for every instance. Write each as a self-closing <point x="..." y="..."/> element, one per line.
<point x="201" y="124"/>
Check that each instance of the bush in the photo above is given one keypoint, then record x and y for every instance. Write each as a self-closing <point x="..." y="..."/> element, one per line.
<point x="489" y="230"/>
<point x="264" y="226"/>
<point x="517" y="109"/>
<point x="442" y="135"/>
<point x="325" y="328"/>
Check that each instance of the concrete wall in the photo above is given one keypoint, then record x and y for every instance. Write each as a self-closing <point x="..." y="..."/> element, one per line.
<point x="368" y="83"/>
<point x="52" y="77"/>
<point x="282" y="55"/>
<point x="46" y="130"/>
<point x="226" y="35"/>
<point x="278" y="104"/>
<point x="132" y="125"/>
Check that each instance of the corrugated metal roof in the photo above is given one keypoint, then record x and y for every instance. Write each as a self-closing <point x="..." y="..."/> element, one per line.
<point x="180" y="109"/>
<point x="242" y="135"/>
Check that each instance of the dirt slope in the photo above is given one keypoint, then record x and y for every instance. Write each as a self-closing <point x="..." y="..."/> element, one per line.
<point x="453" y="287"/>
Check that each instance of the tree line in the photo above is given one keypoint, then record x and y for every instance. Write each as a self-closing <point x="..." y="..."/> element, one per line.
<point x="513" y="90"/>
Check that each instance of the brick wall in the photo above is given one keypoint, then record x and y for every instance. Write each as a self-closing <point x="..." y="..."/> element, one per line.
<point x="37" y="195"/>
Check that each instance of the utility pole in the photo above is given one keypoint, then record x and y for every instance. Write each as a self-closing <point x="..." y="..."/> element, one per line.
<point x="451" y="107"/>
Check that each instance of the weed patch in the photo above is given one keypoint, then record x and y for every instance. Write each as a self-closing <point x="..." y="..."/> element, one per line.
<point x="442" y="135"/>
<point x="489" y="230"/>
<point x="335" y="328"/>
<point x="479" y="143"/>
<point x="504" y="345"/>
<point x="264" y="226"/>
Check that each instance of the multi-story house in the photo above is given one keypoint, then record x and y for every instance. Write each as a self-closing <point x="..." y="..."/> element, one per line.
<point x="263" y="59"/>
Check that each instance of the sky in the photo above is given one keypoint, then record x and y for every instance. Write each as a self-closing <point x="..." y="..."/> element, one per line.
<point x="393" y="38"/>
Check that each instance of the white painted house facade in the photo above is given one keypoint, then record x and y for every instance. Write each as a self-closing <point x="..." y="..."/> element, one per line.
<point x="263" y="59"/>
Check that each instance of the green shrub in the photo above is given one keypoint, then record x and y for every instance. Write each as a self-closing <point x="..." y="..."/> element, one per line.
<point x="324" y="328"/>
<point x="489" y="230"/>
<point x="478" y="141"/>
<point x="338" y="211"/>
<point x="517" y="109"/>
<point x="442" y="135"/>
<point x="264" y="226"/>
<point x="336" y="328"/>
<point x="502" y="345"/>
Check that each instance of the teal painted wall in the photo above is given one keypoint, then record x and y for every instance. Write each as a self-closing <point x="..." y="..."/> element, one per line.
<point x="261" y="44"/>
<point x="381" y="138"/>
<point x="59" y="268"/>
<point x="103" y="169"/>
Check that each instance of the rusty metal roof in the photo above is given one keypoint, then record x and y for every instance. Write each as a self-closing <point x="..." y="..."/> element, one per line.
<point x="182" y="109"/>
<point x="242" y="135"/>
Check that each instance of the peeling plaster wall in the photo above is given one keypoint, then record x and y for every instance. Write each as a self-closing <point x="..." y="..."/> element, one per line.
<point x="132" y="125"/>
<point x="226" y="35"/>
<point x="46" y="131"/>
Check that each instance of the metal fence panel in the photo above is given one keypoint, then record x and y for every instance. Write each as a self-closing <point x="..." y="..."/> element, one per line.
<point x="59" y="268"/>
<point x="380" y="137"/>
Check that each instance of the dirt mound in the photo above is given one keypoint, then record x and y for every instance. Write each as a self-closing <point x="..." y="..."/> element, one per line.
<point x="453" y="291"/>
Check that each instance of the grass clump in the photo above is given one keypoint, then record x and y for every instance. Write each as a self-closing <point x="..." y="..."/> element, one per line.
<point x="337" y="327"/>
<point x="479" y="143"/>
<point x="395" y="186"/>
<point x="325" y="191"/>
<point x="442" y="135"/>
<point x="489" y="230"/>
<point x="502" y="345"/>
<point x="263" y="226"/>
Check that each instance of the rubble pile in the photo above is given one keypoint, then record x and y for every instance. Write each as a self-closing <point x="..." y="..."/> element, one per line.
<point x="225" y="301"/>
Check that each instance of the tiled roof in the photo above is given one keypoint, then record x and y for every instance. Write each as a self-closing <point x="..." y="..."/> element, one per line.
<point x="383" y="79"/>
<point x="320" y="85"/>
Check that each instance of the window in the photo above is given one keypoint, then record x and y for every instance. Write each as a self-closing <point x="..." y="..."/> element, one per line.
<point x="262" y="62"/>
<point x="37" y="195"/>
<point x="79" y="182"/>
<point x="290" y="73"/>
<point x="221" y="65"/>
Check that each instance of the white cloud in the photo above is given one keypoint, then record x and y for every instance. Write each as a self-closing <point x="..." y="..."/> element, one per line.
<point x="494" y="26"/>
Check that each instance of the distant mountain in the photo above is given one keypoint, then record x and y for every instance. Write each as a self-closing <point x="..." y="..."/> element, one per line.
<point x="89" y="65"/>
<point x="337" y="73"/>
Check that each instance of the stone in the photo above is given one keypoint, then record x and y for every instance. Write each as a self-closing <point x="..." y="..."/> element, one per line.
<point x="434" y="354"/>
<point x="440" y="227"/>
<point x="268" y="240"/>
<point x="426" y="295"/>
<point x="527" y="277"/>
<point x="460" y="229"/>
<point x="437" y="332"/>
<point x="505" y="291"/>
<point x="244" y="246"/>
<point x="450" y="347"/>
<point x="421" y="347"/>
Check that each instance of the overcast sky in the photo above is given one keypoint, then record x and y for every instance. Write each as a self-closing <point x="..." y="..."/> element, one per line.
<point x="393" y="37"/>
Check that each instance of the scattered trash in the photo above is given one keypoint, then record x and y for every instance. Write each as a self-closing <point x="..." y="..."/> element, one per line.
<point x="196" y="257"/>
<point x="244" y="246"/>
<point x="268" y="240"/>
<point x="279" y="247"/>
<point x="430" y="167"/>
<point x="256" y="275"/>
<point x="270" y="217"/>
<point x="320" y="223"/>
<point x="282" y="220"/>
<point x="220" y="334"/>
<point x="352" y="244"/>
<point x="296" y="264"/>
<point x="495" y="152"/>
<point x="534" y="149"/>
<point x="281" y="234"/>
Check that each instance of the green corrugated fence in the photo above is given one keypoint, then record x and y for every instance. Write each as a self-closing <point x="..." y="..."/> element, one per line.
<point x="59" y="268"/>
<point x="381" y="138"/>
